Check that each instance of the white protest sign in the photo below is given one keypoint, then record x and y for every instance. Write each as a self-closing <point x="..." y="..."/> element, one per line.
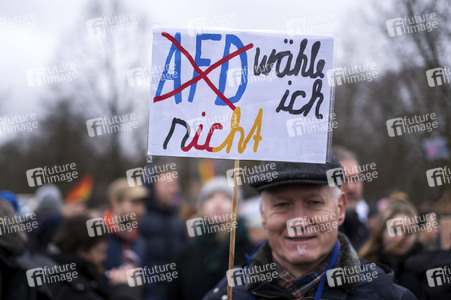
<point x="240" y="95"/>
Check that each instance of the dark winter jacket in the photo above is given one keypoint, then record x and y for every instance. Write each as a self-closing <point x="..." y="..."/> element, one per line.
<point x="40" y="237"/>
<point x="399" y="265"/>
<point x="204" y="262"/>
<point x="380" y="286"/>
<point x="164" y="235"/>
<point x="88" y="285"/>
<point x="116" y="246"/>
<point x="13" y="278"/>
<point x="14" y="265"/>
<point x="419" y="264"/>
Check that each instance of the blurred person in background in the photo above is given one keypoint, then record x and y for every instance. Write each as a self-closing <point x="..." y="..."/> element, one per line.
<point x="74" y="245"/>
<point x="49" y="203"/>
<point x="250" y="212"/>
<point x="419" y="265"/>
<point x="162" y="228"/>
<point x="393" y="242"/>
<point x="127" y="206"/>
<point x="205" y="260"/>
<point x="373" y="217"/>
<point x="357" y="209"/>
<point x="373" y="214"/>
<point x="429" y="238"/>
<point x="13" y="283"/>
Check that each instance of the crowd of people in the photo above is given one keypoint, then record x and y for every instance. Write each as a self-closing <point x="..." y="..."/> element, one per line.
<point x="142" y="227"/>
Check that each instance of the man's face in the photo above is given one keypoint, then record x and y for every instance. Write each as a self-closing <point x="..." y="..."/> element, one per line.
<point x="353" y="188"/>
<point x="319" y="204"/>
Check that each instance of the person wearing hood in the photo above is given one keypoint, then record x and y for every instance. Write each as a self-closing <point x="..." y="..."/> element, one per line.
<point x="205" y="260"/>
<point x="305" y="257"/>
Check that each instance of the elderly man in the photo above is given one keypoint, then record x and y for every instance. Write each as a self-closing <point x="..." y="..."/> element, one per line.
<point x="305" y="257"/>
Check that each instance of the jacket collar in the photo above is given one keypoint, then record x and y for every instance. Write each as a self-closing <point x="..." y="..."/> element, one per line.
<point x="262" y="255"/>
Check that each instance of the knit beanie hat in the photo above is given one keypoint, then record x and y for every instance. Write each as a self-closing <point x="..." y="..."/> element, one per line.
<point x="217" y="184"/>
<point x="49" y="199"/>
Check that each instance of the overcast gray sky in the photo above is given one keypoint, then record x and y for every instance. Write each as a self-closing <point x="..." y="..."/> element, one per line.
<point x="30" y="31"/>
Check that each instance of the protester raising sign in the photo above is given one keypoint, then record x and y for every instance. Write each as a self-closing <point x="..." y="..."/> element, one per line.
<point x="240" y="95"/>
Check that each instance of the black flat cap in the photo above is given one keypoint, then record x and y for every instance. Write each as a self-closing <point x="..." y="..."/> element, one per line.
<point x="293" y="173"/>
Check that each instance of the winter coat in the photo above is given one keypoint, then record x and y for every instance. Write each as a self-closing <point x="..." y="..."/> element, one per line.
<point x="88" y="285"/>
<point x="164" y="235"/>
<point x="380" y="286"/>
<point x="418" y="265"/>
<point x="399" y="265"/>
<point x="204" y="262"/>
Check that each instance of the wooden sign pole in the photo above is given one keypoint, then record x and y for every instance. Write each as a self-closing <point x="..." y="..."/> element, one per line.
<point x="233" y="232"/>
